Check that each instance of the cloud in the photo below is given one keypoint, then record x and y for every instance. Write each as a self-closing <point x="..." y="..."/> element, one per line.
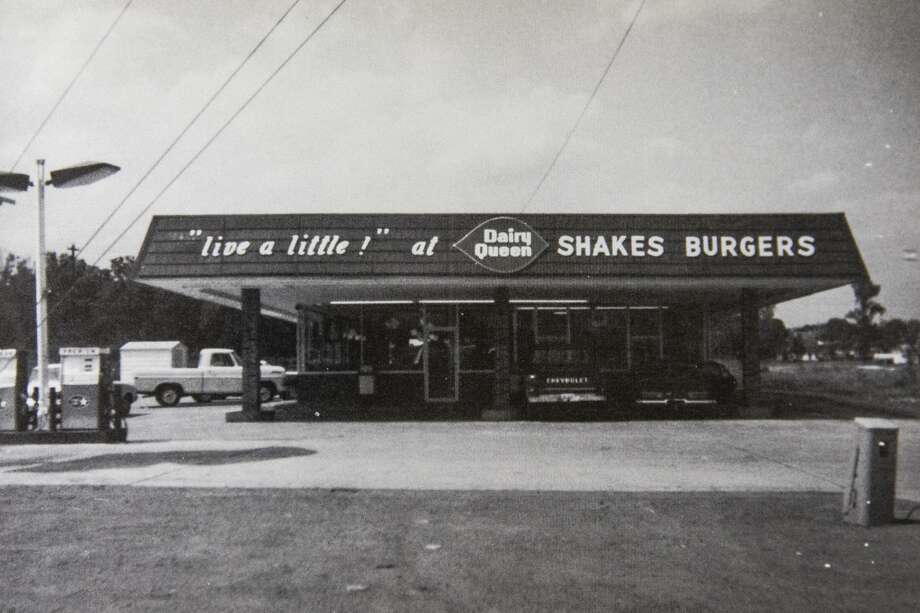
<point x="664" y="146"/>
<point x="818" y="182"/>
<point x="681" y="10"/>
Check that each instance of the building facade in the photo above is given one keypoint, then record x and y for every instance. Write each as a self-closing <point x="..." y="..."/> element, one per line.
<point x="448" y="308"/>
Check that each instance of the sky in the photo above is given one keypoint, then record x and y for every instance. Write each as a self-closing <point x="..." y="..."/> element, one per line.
<point x="732" y="106"/>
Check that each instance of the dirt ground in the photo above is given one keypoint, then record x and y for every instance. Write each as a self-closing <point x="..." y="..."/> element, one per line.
<point x="158" y="549"/>
<point x="892" y="388"/>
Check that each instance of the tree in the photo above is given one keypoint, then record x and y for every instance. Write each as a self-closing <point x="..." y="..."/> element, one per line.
<point x="17" y="303"/>
<point x="839" y="335"/>
<point x="797" y="347"/>
<point x="892" y="334"/>
<point x="867" y="310"/>
<point x="97" y="307"/>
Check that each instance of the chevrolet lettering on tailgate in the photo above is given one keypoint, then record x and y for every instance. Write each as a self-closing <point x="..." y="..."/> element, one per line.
<point x="563" y="374"/>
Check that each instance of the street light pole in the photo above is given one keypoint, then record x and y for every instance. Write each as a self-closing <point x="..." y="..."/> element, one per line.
<point x="41" y="286"/>
<point x="82" y="174"/>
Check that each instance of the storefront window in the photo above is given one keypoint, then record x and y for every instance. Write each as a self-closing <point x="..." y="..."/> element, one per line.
<point x="683" y="334"/>
<point x="523" y="336"/>
<point x="582" y="332"/>
<point x="618" y="338"/>
<point x="611" y="329"/>
<point x="394" y="338"/>
<point x="333" y="341"/>
<point x="644" y="351"/>
<point x="552" y="325"/>
<point x="440" y="315"/>
<point x="643" y="321"/>
<point x="477" y="339"/>
<point x="645" y="336"/>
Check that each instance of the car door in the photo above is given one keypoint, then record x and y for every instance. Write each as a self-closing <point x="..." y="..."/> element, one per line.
<point x="223" y="376"/>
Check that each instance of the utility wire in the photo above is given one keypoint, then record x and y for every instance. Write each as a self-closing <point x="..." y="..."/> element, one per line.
<point x="49" y="312"/>
<point x="222" y="128"/>
<point x="188" y="126"/>
<point x="568" y="137"/>
<point x="71" y="84"/>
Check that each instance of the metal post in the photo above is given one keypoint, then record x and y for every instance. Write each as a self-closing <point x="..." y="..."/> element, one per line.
<point x="501" y="388"/>
<point x="629" y="359"/>
<point x="707" y="332"/>
<point x="41" y="320"/>
<point x="301" y="339"/>
<point x="750" y="361"/>
<point x="252" y="311"/>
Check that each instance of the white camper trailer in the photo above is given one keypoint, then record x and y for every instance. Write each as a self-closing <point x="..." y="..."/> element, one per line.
<point x="138" y="356"/>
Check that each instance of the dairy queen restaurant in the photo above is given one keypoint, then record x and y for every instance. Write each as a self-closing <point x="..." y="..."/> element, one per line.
<point x="464" y="310"/>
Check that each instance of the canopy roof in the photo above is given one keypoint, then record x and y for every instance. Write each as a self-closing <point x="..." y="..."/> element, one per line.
<point x="612" y="259"/>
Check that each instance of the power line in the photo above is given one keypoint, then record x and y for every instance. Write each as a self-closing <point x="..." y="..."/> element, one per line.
<point x="222" y="128"/>
<point x="584" y="110"/>
<point x="188" y="126"/>
<point x="262" y="86"/>
<point x="71" y="84"/>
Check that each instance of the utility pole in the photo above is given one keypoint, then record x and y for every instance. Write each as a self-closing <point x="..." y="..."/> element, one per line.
<point x="73" y="257"/>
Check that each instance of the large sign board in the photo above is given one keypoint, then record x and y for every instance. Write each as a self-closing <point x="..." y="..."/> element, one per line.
<point x="500" y="245"/>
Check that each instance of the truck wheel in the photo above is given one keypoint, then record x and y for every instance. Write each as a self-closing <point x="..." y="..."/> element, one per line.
<point x="266" y="392"/>
<point x="168" y="395"/>
<point x="202" y="398"/>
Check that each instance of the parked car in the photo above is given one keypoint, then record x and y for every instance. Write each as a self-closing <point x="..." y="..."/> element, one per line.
<point x="562" y="374"/>
<point x="681" y="385"/>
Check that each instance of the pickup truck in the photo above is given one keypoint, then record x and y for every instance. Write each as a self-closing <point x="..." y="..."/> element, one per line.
<point x="561" y="374"/>
<point x="219" y="374"/>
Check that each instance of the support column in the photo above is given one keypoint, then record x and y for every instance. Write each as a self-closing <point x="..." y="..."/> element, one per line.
<point x="501" y="389"/>
<point x="301" y="339"/>
<point x="252" y="306"/>
<point x="707" y="332"/>
<point x="750" y="336"/>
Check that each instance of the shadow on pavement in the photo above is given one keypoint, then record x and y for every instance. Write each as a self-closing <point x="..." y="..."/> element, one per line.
<point x="194" y="458"/>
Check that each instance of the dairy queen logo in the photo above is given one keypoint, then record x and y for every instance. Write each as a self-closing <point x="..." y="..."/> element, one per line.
<point x="502" y="244"/>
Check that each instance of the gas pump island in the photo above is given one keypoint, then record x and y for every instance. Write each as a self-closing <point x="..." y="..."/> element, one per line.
<point x="87" y="409"/>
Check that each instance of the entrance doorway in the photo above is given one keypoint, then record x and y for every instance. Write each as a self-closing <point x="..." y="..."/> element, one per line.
<point x="442" y="354"/>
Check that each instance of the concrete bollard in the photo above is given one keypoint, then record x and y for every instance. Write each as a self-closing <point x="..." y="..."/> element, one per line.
<point x="869" y="499"/>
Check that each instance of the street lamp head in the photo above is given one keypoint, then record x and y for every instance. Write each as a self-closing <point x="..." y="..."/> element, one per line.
<point x="6" y="201"/>
<point x="14" y="182"/>
<point x="82" y="174"/>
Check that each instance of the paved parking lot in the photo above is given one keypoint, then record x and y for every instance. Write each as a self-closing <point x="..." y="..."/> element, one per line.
<point x="193" y="446"/>
<point x="199" y="514"/>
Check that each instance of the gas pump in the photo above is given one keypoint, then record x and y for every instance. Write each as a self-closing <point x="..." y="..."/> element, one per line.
<point x="86" y="380"/>
<point x="14" y="377"/>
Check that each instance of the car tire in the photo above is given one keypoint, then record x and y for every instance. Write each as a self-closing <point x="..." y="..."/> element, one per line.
<point x="202" y="398"/>
<point x="266" y="392"/>
<point x="168" y="395"/>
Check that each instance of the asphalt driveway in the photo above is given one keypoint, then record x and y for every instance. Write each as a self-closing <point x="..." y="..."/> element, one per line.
<point x="193" y="446"/>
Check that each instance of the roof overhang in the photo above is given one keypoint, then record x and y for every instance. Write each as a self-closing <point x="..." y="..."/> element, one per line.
<point x="433" y="257"/>
<point x="281" y="295"/>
